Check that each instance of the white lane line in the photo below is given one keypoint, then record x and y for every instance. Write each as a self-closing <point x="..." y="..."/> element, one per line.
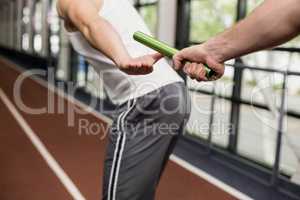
<point x="173" y="157"/>
<point x="52" y="163"/>
<point x="234" y="192"/>
<point x="60" y="93"/>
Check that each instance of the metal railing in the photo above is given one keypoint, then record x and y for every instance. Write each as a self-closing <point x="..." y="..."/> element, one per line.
<point x="282" y="110"/>
<point x="182" y="40"/>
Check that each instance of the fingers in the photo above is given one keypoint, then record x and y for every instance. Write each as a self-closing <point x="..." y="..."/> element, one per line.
<point x="198" y="71"/>
<point x="191" y="54"/>
<point x="191" y="59"/>
<point x="138" y="70"/>
<point x="141" y="65"/>
<point x="195" y="71"/>
<point x="137" y="67"/>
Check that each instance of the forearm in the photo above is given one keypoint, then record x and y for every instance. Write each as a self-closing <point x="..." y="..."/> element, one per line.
<point x="271" y="24"/>
<point x="84" y="16"/>
<point x="103" y="37"/>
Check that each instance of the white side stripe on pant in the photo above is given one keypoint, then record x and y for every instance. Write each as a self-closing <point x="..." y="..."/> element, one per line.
<point x="114" y="173"/>
<point x="114" y="160"/>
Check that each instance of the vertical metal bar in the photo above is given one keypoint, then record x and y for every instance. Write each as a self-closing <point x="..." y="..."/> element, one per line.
<point x="183" y="26"/>
<point x="235" y="108"/>
<point x="75" y="65"/>
<point x="211" y="118"/>
<point x="19" y="30"/>
<point x="282" y="111"/>
<point x="183" y="23"/>
<point x="86" y="77"/>
<point x="236" y="92"/>
<point x="45" y="28"/>
<point x="241" y="10"/>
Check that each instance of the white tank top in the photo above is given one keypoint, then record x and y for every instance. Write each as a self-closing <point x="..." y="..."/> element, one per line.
<point x="119" y="86"/>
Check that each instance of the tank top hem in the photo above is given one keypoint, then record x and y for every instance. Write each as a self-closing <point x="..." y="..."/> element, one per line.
<point x="135" y="96"/>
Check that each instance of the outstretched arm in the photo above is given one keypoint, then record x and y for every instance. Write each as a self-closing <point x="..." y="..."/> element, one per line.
<point x="83" y="16"/>
<point x="271" y="24"/>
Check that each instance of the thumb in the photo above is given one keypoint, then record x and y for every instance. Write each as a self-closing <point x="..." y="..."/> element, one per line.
<point x="182" y="56"/>
<point x="178" y="60"/>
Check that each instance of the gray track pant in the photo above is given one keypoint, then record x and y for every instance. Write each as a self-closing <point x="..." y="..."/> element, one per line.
<point x="141" y="139"/>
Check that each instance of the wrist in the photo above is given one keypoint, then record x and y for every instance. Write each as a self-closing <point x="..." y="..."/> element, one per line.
<point x="216" y="49"/>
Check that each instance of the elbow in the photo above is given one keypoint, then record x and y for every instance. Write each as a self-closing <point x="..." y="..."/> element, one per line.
<point x="91" y="31"/>
<point x="92" y="27"/>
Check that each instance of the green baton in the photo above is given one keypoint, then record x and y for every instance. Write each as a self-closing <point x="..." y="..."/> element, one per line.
<point x="162" y="48"/>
